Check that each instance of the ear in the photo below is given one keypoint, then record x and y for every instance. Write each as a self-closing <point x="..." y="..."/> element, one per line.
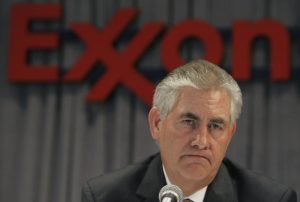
<point x="154" y="122"/>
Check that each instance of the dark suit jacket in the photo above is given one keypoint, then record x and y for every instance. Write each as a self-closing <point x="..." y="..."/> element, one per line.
<point x="142" y="182"/>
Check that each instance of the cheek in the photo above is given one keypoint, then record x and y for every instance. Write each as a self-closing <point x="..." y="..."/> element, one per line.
<point x="219" y="149"/>
<point x="173" y="145"/>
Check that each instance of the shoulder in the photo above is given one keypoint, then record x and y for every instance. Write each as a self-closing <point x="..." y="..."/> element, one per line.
<point x="117" y="183"/>
<point x="251" y="185"/>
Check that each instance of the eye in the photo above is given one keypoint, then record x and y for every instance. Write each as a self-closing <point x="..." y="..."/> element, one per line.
<point x="215" y="126"/>
<point x="190" y="122"/>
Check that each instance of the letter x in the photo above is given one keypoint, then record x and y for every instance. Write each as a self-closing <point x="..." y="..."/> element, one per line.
<point x="119" y="64"/>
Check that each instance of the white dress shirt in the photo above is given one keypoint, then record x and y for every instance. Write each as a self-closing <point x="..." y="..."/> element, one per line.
<point x="197" y="196"/>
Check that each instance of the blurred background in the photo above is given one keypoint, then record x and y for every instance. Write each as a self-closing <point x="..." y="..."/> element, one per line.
<point x="52" y="140"/>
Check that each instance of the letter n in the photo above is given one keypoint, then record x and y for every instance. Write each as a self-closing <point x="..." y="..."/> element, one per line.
<point x="244" y="34"/>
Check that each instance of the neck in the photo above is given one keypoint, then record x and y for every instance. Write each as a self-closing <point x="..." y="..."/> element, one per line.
<point x="188" y="186"/>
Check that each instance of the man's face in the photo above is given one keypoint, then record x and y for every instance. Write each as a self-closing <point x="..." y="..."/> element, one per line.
<point x="194" y="136"/>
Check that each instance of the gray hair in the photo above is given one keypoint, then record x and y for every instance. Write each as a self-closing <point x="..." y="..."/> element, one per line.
<point x="199" y="74"/>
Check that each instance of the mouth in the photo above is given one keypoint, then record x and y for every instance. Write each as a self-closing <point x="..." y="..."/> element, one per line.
<point x="197" y="158"/>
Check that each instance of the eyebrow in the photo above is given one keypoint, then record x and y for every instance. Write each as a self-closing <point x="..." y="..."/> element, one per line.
<point x="195" y="117"/>
<point x="189" y="115"/>
<point x="218" y="120"/>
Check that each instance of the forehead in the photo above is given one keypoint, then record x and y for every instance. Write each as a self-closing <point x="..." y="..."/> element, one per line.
<point x="214" y="102"/>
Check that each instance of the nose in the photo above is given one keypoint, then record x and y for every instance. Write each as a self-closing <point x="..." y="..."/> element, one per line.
<point x="200" y="139"/>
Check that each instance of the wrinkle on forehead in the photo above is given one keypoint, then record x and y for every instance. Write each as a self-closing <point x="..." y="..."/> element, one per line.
<point x="214" y="101"/>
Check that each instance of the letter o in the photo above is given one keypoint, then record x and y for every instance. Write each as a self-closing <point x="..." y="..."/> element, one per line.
<point x="211" y="39"/>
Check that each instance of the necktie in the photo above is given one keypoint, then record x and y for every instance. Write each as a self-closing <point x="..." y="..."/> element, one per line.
<point x="187" y="200"/>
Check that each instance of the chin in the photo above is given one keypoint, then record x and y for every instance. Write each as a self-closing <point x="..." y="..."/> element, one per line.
<point x="196" y="172"/>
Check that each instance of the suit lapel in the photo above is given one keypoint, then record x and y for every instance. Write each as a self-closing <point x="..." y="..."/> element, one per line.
<point x="221" y="189"/>
<point x="153" y="181"/>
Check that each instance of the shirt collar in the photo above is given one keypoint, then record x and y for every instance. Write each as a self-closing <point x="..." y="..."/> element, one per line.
<point x="197" y="196"/>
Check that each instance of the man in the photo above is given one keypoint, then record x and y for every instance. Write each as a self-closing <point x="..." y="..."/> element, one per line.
<point x="193" y="119"/>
